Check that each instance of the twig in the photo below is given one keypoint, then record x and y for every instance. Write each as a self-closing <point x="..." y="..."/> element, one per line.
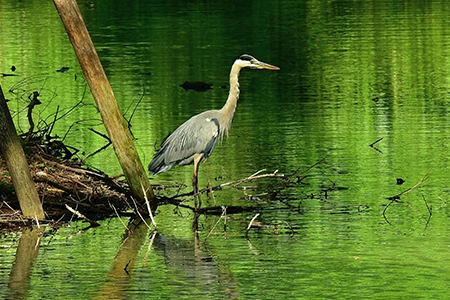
<point x="137" y="211"/>
<point x="37" y="220"/>
<point x="256" y="173"/>
<point x="224" y="212"/>
<point x="290" y="227"/>
<point x="148" y="205"/>
<point x="310" y="167"/>
<point x="52" y="124"/>
<point x="444" y="203"/>
<point x="72" y="108"/>
<point x="118" y="216"/>
<point x="253" y="177"/>
<point x="80" y="215"/>
<point x="97" y="122"/>
<point x="235" y="182"/>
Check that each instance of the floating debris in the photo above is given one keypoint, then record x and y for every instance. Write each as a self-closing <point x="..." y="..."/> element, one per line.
<point x="198" y="86"/>
<point x="63" y="69"/>
<point x="400" y="181"/>
<point x="6" y="74"/>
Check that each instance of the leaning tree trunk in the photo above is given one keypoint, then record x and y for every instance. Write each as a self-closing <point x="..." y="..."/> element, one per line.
<point x="17" y="164"/>
<point x="106" y="102"/>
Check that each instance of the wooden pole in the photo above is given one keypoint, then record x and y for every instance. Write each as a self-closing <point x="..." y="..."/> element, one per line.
<point x="17" y="165"/>
<point x="106" y="102"/>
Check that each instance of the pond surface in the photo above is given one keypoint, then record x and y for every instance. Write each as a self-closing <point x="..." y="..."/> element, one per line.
<point x="353" y="74"/>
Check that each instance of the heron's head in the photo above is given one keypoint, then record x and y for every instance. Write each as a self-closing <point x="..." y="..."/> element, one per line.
<point x="248" y="61"/>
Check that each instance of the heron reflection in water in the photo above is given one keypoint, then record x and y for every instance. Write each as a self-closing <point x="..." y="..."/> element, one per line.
<point x="194" y="140"/>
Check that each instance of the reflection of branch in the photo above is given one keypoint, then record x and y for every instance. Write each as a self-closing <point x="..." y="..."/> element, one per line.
<point x="133" y="111"/>
<point x="250" y="224"/>
<point x="102" y="148"/>
<point x="384" y="212"/>
<point x="396" y="198"/>
<point x="372" y="145"/>
<point x="430" y="212"/>
<point x="379" y="140"/>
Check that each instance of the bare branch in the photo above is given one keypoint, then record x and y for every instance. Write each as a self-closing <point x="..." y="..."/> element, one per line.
<point x="253" y="177"/>
<point x="148" y="205"/>
<point x="81" y="216"/>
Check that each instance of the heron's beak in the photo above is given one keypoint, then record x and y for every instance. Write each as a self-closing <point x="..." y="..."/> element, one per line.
<point x="263" y="65"/>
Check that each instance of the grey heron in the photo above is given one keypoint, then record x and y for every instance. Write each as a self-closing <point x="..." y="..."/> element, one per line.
<point x="194" y="140"/>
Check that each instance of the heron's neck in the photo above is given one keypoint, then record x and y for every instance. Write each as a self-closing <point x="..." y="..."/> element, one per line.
<point x="228" y="109"/>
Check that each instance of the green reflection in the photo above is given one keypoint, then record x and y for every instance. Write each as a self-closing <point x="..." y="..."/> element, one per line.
<point x="351" y="72"/>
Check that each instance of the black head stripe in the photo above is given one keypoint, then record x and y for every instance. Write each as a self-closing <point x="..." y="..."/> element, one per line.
<point x="246" y="57"/>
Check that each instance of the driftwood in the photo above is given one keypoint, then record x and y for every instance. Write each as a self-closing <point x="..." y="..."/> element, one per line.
<point x="60" y="183"/>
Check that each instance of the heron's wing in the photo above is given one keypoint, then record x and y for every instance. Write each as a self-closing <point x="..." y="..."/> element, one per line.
<point x="198" y="135"/>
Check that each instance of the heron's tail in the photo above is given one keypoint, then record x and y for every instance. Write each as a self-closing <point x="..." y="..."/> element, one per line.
<point x="158" y="164"/>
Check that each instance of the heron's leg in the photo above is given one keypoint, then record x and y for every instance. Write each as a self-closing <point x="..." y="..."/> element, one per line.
<point x="198" y="202"/>
<point x="195" y="184"/>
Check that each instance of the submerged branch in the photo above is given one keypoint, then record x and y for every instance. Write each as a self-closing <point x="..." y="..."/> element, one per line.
<point x="396" y="198"/>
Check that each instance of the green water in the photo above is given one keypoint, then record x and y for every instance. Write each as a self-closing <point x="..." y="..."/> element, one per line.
<point x="352" y="72"/>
